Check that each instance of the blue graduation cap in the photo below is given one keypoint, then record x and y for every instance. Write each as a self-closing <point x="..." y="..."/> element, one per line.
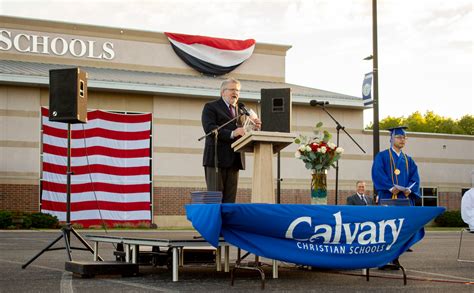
<point x="394" y="131"/>
<point x="399" y="130"/>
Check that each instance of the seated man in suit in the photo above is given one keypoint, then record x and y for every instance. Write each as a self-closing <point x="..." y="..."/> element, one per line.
<point x="359" y="198"/>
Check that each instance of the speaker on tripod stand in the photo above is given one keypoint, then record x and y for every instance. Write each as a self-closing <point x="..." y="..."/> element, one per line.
<point x="67" y="104"/>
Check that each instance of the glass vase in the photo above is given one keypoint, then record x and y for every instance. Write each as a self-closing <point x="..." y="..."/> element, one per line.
<point x="319" y="193"/>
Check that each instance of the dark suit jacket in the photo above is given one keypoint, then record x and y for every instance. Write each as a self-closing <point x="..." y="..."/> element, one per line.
<point x="355" y="200"/>
<point x="214" y="114"/>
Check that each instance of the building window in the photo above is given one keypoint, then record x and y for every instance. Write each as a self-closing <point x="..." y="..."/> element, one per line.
<point x="429" y="196"/>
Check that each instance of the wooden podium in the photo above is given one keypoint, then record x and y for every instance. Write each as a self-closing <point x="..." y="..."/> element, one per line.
<point x="263" y="144"/>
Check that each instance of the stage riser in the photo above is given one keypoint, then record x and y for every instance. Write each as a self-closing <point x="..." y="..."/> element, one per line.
<point x="90" y="269"/>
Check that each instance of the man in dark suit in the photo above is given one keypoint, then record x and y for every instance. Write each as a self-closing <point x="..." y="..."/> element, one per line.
<point x="359" y="198"/>
<point x="215" y="114"/>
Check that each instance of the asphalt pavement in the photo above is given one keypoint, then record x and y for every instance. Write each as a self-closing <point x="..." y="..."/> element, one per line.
<point x="431" y="267"/>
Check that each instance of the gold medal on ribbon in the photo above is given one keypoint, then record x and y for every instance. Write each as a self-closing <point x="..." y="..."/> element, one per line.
<point x="396" y="172"/>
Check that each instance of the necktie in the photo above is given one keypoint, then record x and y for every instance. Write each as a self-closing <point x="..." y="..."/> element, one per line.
<point x="231" y="109"/>
<point x="363" y="198"/>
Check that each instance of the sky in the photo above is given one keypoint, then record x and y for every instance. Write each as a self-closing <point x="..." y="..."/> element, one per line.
<point x="425" y="46"/>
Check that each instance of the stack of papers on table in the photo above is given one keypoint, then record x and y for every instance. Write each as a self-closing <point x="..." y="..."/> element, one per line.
<point x="206" y="197"/>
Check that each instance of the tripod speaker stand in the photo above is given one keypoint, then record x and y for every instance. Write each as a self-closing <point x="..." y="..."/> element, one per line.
<point x="67" y="230"/>
<point x="67" y="104"/>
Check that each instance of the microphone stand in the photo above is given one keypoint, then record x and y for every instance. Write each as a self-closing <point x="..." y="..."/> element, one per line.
<point x="215" y="131"/>
<point x="338" y="128"/>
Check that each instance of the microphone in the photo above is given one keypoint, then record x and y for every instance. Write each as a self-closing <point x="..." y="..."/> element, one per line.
<point x="243" y="109"/>
<point x="318" y="103"/>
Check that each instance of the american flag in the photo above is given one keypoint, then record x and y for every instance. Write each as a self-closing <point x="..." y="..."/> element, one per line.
<point x="110" y="165"/>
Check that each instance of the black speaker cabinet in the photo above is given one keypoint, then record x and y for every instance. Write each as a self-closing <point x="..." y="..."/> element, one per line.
<point x="276" y="109"/>
<point x="68" y="95"/>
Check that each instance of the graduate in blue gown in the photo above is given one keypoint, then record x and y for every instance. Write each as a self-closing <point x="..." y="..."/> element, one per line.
<point x="394" y="174"/>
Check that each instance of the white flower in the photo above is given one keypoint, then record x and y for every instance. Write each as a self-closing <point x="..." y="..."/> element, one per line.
<point x="297" y="154"/>
<point x="302" y="148"/>
<point x="331" y="145"/>
<point x="318" y="150"/>
<point x="323" y="149"/>
<point x="339" y="150"/>
<point x="308" y="148"/>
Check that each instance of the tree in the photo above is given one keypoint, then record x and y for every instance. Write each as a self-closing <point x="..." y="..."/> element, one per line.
<point x="430" y="122"/>
<point x="466" y="123"/>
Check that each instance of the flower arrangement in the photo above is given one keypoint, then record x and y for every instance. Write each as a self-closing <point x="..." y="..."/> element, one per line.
<point x="317" y="152"/>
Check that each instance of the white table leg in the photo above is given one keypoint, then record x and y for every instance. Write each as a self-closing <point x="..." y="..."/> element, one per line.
<point x="127" y="252"/>
<point x="181" y="256"/>
<point x="175" y="264"/>
<point x="134" y="253"/>
<point x="218" y="259"/>
<point x="226" y="259"/>
<point x="275" y="269"/>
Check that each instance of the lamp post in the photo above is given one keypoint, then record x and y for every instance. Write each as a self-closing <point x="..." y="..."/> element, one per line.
<point x="375" y="73"/>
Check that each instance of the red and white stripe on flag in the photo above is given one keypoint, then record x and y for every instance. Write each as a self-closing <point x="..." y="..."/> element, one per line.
<point x="208" y="55"/>
<point x="110" y="162"/>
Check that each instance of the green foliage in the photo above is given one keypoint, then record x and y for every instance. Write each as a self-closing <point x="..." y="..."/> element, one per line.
<point x="390" y="122"/>
<point x="20" y="220"/>
<point x="430" y="123"/>
<point x="5" y="219"/>
<point x="40" y="220"/>
<point x="450" y="219"/>
<point x="26" y="221"/>
<point x="466" y="123"/>
<point x="125" y="225"/>
<point x="77" y="226"/>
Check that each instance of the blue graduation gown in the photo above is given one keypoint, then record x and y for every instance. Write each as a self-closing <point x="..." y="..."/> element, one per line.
<point x="382" y="175"/>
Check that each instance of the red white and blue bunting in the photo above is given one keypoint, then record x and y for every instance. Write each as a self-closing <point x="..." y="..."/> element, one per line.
<point x="211" y="56"/>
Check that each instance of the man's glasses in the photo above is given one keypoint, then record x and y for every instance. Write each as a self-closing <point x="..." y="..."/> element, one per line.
<point x="401" y="137"/>
<point x="233" y="90"/>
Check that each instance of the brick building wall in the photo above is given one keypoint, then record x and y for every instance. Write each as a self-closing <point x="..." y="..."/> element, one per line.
<point x="19" y="198"/>
<point x="171" y="200"/>
<point x="450" y="200"/>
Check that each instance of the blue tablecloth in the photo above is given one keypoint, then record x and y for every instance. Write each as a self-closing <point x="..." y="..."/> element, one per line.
<point x="339" y="237"/>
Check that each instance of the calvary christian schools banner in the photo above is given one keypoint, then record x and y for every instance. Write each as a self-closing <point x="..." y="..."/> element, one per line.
<point x="111" y="167"/>
<point x="336" y="237"/>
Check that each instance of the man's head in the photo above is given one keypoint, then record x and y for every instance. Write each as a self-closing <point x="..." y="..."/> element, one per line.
<point x="360" y="185"/>
<point x="398" y="137"/>
<point x="230" y="90"/>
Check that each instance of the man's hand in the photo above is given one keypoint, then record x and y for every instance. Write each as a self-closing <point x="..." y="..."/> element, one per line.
<point x="239" y="132"/>
<point x="394" y="190"/>
<point x="258" y="123"/>
<point x="407" y="192"/>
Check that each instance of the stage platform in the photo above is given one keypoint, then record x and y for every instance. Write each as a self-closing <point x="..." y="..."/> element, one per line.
<point x="132" y="246"/>
<point x="89" y="269"/>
